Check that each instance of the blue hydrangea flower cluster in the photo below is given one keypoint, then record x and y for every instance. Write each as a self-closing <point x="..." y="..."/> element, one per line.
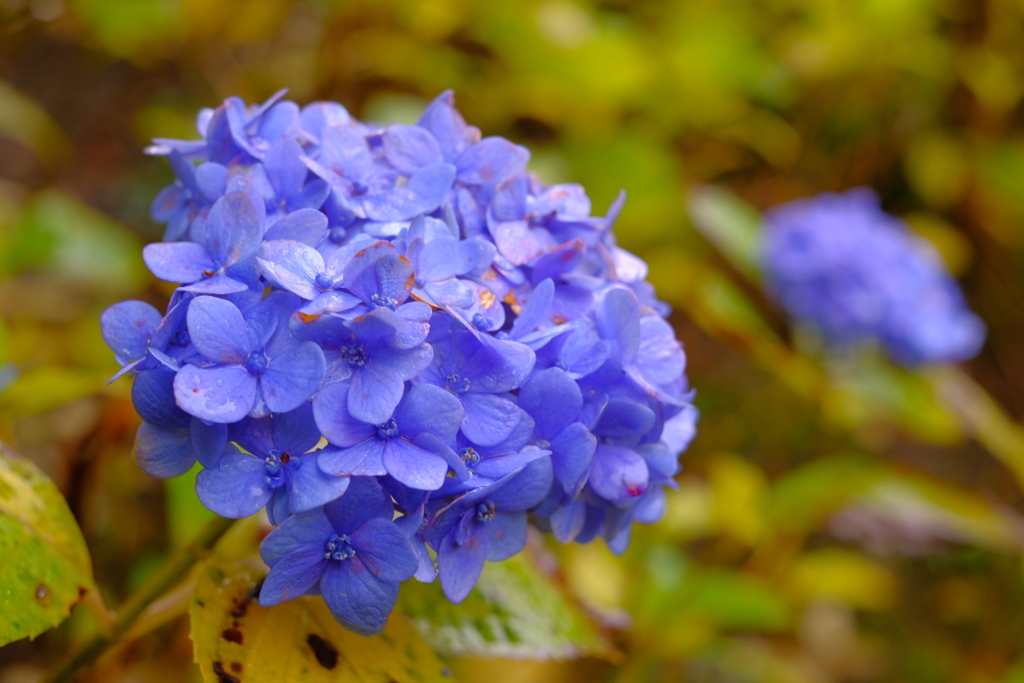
<point x="400" y="344"/>
<point x="841" y="264"/>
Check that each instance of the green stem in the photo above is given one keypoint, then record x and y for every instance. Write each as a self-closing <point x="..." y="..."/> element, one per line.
<point x="172" y="570"/>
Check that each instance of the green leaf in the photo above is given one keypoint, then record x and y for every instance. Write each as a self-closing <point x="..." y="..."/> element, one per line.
<point x="46" y="387"/>
<point x="801" y="499"/>
<point x="736" y="601"/>
<point x="299" y="641"/>
<point x="729" y="223"/>
<point x="44" y="563"/>
<point x="514" y="612"/>
<point x="22" y="119"/>
<point x="59" y="235"/>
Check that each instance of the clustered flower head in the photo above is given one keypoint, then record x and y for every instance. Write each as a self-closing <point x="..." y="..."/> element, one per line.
<point x="400" y="344"/>
<point x="841" y="264"/>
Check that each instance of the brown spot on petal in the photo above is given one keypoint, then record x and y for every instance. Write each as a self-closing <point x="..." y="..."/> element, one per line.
<point x="307" y="318"/>
<point x="236" y="667"/>
<point x="325" y="653"/>
<point x="232" y="635"/>
<point x="222" y="675"/>
<point x="42" y="591"/>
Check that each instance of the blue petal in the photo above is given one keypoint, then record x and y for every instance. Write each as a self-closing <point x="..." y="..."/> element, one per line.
<point x="254" y="435"/>
<point x="363" y="459"/>
<point x="427" y="408"/>
<point x="534" y="312"/>
<point x="460" y="565"/>
<point x="357" y="598"/>
<point x="379" y="270"/>
<point x="424" y="192"/>
<point x="310" y="487"/>
<point x="617" y="473"/>
<point x="234" y="229"/>
<point x="571" y="453"/>
<point x="285" y="169"/>
<point x="374" y="392"/>
<point x="618" y="319"/>
<point x="218" y="284"/>
<point x="171" y="200"/>
<point x="447" y="126"/>
<point x="518" y="242"/>
<point x="414" y="466"/>
<point x="212" y="180"/>
<point x="296" y="431"/>
<point x="498" y="466"/>
<point x="282" y="118"/>
<point x="624" y="419"/>
<point x="567" y="521"/>
<point x="153" y="397"/>
<point x="345" y="149"/>
<point x="330" y="409"/>
<point x="524" y="489"/>
<point x="306" y="528"/>
<point x="294" y="574"/>
<point x="364" y="500"/>
<point x="495" y="365"/>
<point x="506" y="535"/>
<point x="217" y="330"/>
<point x="128" y="327"/>
<point x="292" y="377"/>
<point x="293" y="266"/>
<point x="208" y="441"/>
<point x="224" y="393"/>
<point x="553" y="399"/>
<point x="385" y="550"/>
<point x="438" y="259"/>
<point x="163" y="453"/>
<point x="488" y="419"/>
<point x="308" y="226"/>
<point x="410" y="148"/>
<point x="236" y="488"/>
<point x="177" y="261"/>
<point x="492" y="160"/>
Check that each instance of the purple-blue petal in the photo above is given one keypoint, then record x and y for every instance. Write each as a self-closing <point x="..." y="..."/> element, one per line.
<point x="385" y="550"/>
<point x="488" y="419"/>
<point x="183" y="262"/>
<point x="223" y="393"/>
<point x="293" y="376"/>
<point x="163" y="453"/>
<point x="357" y="598"/>
<point x="459" y="566"/>
<point x="330" y="409"/>
<point x="128" y="327"/>
<point x="294" y="574"/>
<point x="365" y="459"/>
<point x="506" y="535"/>
<point x="413" y="465"/>
<point x="217" y="329"/>
<point x="236" y="488"/>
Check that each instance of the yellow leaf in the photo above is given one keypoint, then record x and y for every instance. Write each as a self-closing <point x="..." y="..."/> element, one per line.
<point x="299" y="641"/>
<point x="843" y="575"/>
<point x="737" y="489"/>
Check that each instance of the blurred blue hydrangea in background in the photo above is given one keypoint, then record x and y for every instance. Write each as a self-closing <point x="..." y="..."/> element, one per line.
<point x="853" y="272"/>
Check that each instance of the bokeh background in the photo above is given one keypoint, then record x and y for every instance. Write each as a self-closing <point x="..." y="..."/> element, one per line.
<point x="838" y="519"/>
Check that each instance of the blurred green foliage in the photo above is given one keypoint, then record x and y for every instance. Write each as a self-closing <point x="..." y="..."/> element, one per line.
<point x="838" y="519"/>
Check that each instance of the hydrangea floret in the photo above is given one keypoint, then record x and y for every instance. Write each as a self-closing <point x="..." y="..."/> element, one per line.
<point x="840" y="264"/>
<point x="402" y="345"/>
